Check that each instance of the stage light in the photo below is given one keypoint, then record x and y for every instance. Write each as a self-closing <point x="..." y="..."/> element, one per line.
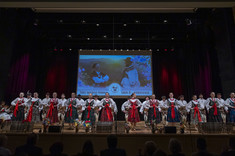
<point x="188" y="22"/>
<point x="139" y="49"/>
<point x="109" y="49"/>
<point x="88" y="38"/>
<point x="36" y="22"/>
<point x="70" y="49"/>
<point x="137" y="21"/>
<point x="165" y="21"/>
<point x="130" y="39"/>
<point x="121" y="49"/>
<point x="172" y="38"/>
<point x="92" y="50"/>
<point x="69" y="36"/>
<point x="80" y="49"/>
<point x="100" y="49"/>
<point x="60" y="21"/>
<point x="83" y="21"/>
<point x="55" y="49"/>
<point x="119" y="36"/>
<point x="61" y="49"/>
<point x="150" y="49"/>
<point x="97" y="24"/>
<point x="165" y="49"/>
<point x="158" y="50"/>
<point x="105" y="36"/>
<point x="124" y="24"/>
<point x="127" y="50"/>
<point x="115" y="49"/>
<point x="133" y="50"/>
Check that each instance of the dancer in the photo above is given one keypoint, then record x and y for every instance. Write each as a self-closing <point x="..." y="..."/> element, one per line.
<point x="144" y="110"/>
<point x="125" y="108"/>
<point x="154" y="115"/>
<point x="182" y="108"/>
<point x="213" y="106"/>
<point x="230" y="103"/>
<point x="202" y="102"/>
<point x="106" y="105"/>
<point x="80" y="105"/>
<point x="88" y="107"/>
<point x="172" y="112"/>
<point x="97" y="108"/>
<point x="223" y="107"/>
<point x="45" y="106"/>
<point x="34" y="109"/>
<point x="19" y="111"/>
<point x="5" y="112"/>
<point x="194" y="108"/>
<point x="61" y="109"/>
<point x="133" y="115"/>
<point x="71" y="115"/>
<point x="52" y="113"/>
<point x="164" y="105"/>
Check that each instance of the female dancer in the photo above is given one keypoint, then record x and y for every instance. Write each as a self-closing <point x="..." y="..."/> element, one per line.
<point x="125" y="109"/>
<point x="133" y="115"/>
<point x="213" y="107"/>
<point x="34" y="114"/>
<point x="194" y="108"/>
<point x="62" y="108"/>
<point x="230" y="103"/>
<point x="144" y="110"/>
<point x="88" y="107"/>
<point x="19" y="111"/>
<point x="52" y="113"/>
<point x="71" y="114"/>
<point x="154" y="113"/>
<point x="107" y="104"/>
<point x="172" y="112"/>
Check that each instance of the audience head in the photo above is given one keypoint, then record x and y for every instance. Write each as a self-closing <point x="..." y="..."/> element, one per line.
<point x="232" y="142"/>
<point x="88" y="148"/>
<point x="112" y="141"/>
<point x="3" y="140"/>
<point x="159" y="153"/>
<point x="174" y="146"/>
<point x="56" y="148"/>
<point x="149" y="148"/>
<point x="201" y="144"/>
<point x="32" y="139"/>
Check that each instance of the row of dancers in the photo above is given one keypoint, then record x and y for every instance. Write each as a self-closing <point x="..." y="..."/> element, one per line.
<point x="168" y="110"/>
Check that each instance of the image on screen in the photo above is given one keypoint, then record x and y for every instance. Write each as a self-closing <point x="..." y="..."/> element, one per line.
<point x="120" y="75"/>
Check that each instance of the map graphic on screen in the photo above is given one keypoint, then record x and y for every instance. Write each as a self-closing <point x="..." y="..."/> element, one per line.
<point x="120" y="75"/>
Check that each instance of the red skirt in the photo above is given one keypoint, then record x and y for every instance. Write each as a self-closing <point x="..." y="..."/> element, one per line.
<point x="106" y="115"/>
<point x="54" y="117"/>
<point x="133" y="117"/>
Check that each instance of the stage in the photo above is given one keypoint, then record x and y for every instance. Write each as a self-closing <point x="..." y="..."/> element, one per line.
<point x="133" y="142"/>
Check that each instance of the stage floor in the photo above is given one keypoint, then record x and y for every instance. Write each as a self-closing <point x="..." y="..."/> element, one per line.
<point x="133" y="142"/>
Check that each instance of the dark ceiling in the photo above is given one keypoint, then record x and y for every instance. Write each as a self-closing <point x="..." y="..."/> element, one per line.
<point x="70" y="31"/>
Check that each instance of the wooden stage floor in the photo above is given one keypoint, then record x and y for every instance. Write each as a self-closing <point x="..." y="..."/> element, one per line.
<point x="132" y="142"/>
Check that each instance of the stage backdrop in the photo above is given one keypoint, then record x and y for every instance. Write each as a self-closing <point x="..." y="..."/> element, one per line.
<point x="118" y="73"/>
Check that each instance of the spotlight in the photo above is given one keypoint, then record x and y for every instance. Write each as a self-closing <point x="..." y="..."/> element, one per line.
<point x="150" y="49"/>
<point x="105" y="36"/>
<point x="97" y="24"/>
<point x="130" y="39"/>
<point x="137" y="21"/>
<point x="36" y="22"/>
<point x="127" y="50"/>
<point x="70" y="49"/>
<point x="80" y="49"/>
<point x="121" y="49"/>
<point x="100" y="49"/>
<point x="88" y="38"/>
<point x="172" y="38"/>
<point x="119" y="36"/>
<point x="60" y="21"/>
<point x="139" y="49"/>
<point x="165" y="21"/>
<point x="158" y="50"/>
<point x="115" y="49"/>
<point x="188" y="21"/>
<point x="69" y="36"/>
<point x="83" y="21"/>
<point x="124" y="24"/>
